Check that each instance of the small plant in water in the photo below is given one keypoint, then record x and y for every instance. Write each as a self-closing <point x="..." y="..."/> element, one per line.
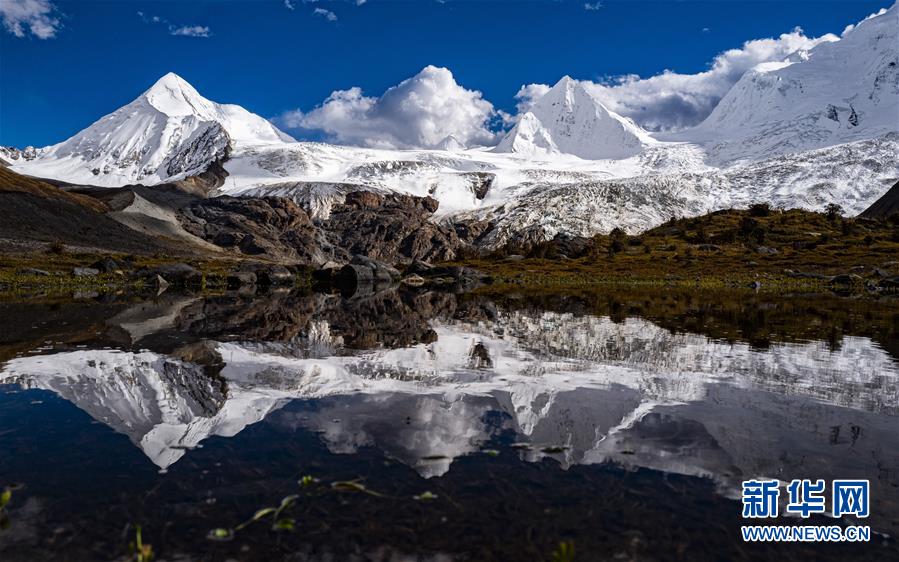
<point x="278" y="524"/>
<point x="353" y="486"/>
<point x="140" y="552"/>
<point x="425" y="496"/>
<point x="5" y="497"/>
<point x="563" y="553"/>
<point x="307" y="481"/>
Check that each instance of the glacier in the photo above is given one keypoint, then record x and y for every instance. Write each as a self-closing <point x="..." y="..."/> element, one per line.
<point x="820" y="127"/>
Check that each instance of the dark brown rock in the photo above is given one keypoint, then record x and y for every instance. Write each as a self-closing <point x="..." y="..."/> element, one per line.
<point x="270" y="227"/>
<point x="176" y="274"/>
<point x="237" y="279"/>
<point x="390" y="228"/>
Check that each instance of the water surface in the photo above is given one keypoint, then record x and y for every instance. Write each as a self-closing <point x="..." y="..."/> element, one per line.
<point x="473" y="427"/>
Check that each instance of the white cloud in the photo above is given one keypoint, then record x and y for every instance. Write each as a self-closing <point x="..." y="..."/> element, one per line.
<point x="592" y="6"/>
<point x="288" y="5"/>
<point x="419" y="112"/>
<point x="529" y="94"/>
<point x="327" y="14"/>
<point x="671" y="100"/>
<point x="191" y="31"/>
<point x="35" y="16"/>
<point x="180" y="30"/>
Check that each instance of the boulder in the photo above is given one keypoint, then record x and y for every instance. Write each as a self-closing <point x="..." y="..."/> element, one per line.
<point x="414" y="281"/>
<point x="274" y="275"/>
<point x="33" y="271"/>
<point x="382" y="270"/>
<point x="177" y="274"/>
<point x="106" y="265"/>
<point x="327" y="273"/>
<point x="237" y="279"/>
<point x="363" y="271"/>
<point x="354" y="275"/>
<point x="159" y="284"/>
<point x="846" y="279"/>
<point x="805" y="275"/>
<point x="85" y="272"/>
<point x="570" y="246"/>
<point x="418" y="267"/>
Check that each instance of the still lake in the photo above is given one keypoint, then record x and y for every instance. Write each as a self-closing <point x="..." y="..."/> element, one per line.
<point x="431" y="426"/>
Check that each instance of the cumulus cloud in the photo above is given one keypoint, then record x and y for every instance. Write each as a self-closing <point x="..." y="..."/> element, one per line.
<point x="671" y="100"/>
<point x="34" y="16"/>
<point x="419" y="112"/>
<point x="191" y="31"/>
<point x="288" y="4"/>
<point x="327" y="14"/>
<point x="592" y="6"/>
<point x="527" y="95"/>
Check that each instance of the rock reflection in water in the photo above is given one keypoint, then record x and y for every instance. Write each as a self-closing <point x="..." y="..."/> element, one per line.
<point x="427" y="378"/>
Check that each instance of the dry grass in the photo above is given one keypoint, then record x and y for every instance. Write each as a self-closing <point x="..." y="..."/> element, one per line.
<point x="10" y="181"/>
<point x="725" y="248"/>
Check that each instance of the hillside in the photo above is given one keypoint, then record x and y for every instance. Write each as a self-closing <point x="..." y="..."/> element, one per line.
<point x="38" y="215"/>
<point x="729" y="247"/>
<point x="886" y="206"/>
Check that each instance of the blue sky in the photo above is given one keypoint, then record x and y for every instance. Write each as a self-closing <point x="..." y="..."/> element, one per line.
<point x="272" y="59"/>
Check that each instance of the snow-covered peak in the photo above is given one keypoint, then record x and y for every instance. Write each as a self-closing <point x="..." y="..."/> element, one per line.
<point x="451" y="144"/>
<point x="173" y="96"/>
<point x="569" y="120"/>
<point x="839" y="91"/>
<point x="169" y="132"/>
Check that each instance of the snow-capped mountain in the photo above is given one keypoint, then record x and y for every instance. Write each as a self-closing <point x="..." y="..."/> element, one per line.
<point x="568" y="120"/>
<point x="819" y="128"/>
<point x="169" y="132"/>
<point x="588" y="383"/>
<point x="837" y="92"/>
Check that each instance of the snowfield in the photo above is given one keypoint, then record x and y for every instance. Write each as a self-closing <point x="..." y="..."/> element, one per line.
<point x="820" y="127"/>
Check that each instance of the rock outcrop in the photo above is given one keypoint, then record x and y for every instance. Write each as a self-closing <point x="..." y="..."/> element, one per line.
<point x="390" y="228"/>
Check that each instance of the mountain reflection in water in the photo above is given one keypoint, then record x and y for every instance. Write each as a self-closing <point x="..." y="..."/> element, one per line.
<point x="431" y="380"/>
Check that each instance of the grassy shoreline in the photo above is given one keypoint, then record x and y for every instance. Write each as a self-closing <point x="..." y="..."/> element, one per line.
<point x="18" y="278"/>
<point x="760" y="248"/>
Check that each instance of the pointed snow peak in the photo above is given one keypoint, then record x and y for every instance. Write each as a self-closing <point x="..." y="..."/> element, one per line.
<point x="451" y="144"/>
<point x="564" y="91"/>
<point x="566" y="82"/>
<point x="173" y="96"/>
<point x="569" y="120"/>
<point x="170" y="80"/>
